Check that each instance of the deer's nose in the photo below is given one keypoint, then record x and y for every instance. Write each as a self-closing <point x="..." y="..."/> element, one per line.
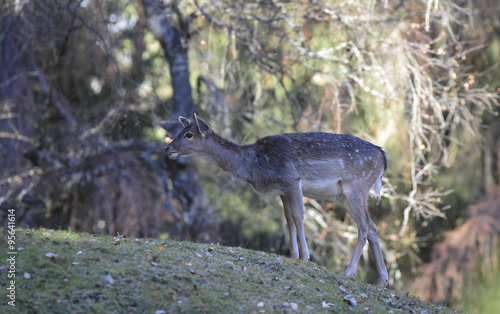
<point x="167" y="148"/>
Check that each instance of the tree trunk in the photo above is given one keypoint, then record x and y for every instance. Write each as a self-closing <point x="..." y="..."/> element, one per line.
<point x="199" y="218"/>
<point x="173" y="44"/>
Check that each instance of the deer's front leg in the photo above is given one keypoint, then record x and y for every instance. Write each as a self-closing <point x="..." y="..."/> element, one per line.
<point x="295" y="199"/>
<point x="292" y="231"/>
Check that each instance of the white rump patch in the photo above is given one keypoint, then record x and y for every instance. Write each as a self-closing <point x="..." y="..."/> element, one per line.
<point x="377" y="187"/>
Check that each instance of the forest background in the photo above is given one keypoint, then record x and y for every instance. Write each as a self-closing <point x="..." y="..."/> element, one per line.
<point x="90" y="90"/>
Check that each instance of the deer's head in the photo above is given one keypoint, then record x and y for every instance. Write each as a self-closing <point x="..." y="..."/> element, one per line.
<point x="191" y="141"/>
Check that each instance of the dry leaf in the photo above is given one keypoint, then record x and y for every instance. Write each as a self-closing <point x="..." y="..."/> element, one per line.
<point x="52" y="255"/>
<point x="27" y="276"/>
<point x="350" y="300"/>
<point x="294" y="306"/>
<point x="260" y="304"/>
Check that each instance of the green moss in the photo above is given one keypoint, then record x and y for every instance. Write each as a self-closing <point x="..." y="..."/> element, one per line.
<point x="106" y="274"/>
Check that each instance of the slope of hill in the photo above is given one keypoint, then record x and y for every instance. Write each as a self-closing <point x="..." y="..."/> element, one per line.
<point x="66" y="272"/>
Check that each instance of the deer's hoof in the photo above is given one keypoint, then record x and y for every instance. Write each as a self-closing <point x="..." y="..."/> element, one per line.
<point x="349" y="274"/>
<point x="382" y="282"/>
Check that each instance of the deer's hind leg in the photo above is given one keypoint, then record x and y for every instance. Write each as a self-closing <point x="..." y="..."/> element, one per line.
<point x="383" y="277"/>
<point x="356" y="205"/>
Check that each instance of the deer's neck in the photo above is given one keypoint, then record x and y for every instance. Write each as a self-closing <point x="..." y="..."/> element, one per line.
<point x="231" y="157"/>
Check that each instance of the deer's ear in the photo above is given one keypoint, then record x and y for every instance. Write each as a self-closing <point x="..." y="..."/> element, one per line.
<point x="185" y="121"/>
<point x="203" y="127"/>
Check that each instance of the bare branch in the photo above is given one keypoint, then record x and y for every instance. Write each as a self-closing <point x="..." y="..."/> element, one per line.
<point x="17" y="137"/>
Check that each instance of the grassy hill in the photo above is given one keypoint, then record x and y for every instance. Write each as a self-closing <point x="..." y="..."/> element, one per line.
<point x="66" y="272"/>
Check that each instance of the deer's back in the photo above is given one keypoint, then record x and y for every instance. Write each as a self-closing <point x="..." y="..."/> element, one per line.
<point x="322" y="160"/>
<point x="319" y="146"/>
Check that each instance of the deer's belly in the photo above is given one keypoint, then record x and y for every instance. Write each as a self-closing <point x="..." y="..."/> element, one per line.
<point x="321" y="189"/>
<point x="268" y="189"/>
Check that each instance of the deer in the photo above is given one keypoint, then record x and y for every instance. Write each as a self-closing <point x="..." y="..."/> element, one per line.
<point x="317" y="165"/>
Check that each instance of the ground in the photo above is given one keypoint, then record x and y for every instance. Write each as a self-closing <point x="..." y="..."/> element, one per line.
<point x="67" y="272"/>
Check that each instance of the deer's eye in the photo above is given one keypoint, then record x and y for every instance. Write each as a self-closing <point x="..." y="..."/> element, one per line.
<point x="188" y="135"/>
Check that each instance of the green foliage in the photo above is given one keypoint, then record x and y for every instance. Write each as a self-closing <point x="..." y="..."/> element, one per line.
<point x="155" y="134"/>
<point x="486" y="299"/>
